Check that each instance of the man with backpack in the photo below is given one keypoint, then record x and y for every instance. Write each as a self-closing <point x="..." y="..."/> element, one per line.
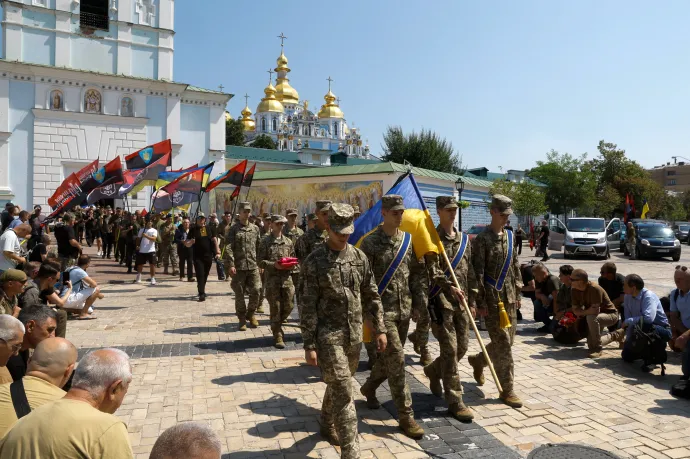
<point x="646" y="327"/>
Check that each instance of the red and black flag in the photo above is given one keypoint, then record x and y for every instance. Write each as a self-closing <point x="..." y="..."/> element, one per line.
<point x="104" y="192"/>
<point x="110" y="173"/>
<point x="146" y="156"/>
<point x="233" y="176"/>
<point x="146" y="176"/>
<point x="249" y="176"/>
<point x="68" y="188"/>
<point x="85" y="174"/>
<point x="191" y="182"/>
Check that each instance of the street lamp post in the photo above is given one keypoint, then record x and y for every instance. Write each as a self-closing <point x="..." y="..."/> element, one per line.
<point x="459" y="185"/>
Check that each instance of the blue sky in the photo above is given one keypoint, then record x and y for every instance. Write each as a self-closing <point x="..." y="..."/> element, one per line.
<point x="504" y="80"/>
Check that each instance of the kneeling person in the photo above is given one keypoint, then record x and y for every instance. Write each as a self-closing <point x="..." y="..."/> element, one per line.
<point x="278" y="279"/>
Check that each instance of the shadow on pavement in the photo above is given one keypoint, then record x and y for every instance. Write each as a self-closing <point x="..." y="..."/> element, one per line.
<point x="263" y="343"/>
<point x="633" y="371"/>
<point x="221" y="328"/>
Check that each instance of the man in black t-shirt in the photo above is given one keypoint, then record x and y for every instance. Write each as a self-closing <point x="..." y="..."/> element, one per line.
<point x="546" y="287"/>
<point x="36" y="221"/>
<point x="68" y="247"/>
<point x="203" y="238"/>
<point x="613" y="284"/>
<point x="40" y="250"/>
<point x="544" y="239"/>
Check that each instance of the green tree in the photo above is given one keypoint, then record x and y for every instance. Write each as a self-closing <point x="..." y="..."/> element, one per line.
<point x="425" y="149"/>
<point x="264" y="141"/>
<point x="670" y="208"/>
<point x="528" y="198"/>
<point x="234" y="132"/>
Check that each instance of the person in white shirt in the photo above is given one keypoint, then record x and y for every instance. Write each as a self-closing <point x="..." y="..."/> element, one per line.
<point x="11" y="247"/>
<point x="85" y="290"/>
<point x="147" y="250"/>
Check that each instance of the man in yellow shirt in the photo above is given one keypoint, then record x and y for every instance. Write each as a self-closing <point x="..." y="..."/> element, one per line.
<point x="81" y="424"/>
<point x="11" y="338"/>
<point x="50" y="367"/>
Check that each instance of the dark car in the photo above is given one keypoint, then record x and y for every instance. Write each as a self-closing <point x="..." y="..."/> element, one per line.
<point x="681" y="230"/>
<point x="656" y="240"/>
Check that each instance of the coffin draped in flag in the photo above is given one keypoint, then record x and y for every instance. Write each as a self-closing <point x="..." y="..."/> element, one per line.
<point x="68" y="188"/>
<point x="146" y="176"/>
<point x="416" y="219"/>
<point x="149" y="155"/>
<point x="233" y="176"/>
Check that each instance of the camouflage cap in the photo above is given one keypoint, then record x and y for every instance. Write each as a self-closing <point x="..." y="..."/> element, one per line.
<point x="392" y="202"/>
<point x="13" y="275"/>
<point x="503" y="203"/>
<point x="323" y="205"/>
<point x="277" y="218"/>
<point x="265" y="215"/>
<point x="356" y="209"/>
<point x="245" y="206"/>
<point x="340" y="218"/>
<point x="291" y="212"/>
<point x="201" y="215"/>
<point x="311" y="217"/>
<point x="446" y="202"/>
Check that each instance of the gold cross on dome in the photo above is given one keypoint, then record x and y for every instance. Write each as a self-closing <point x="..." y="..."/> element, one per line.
<point x="330" y="80"/>
<point x="246" y="99"/>
<point x="282" y="38"/>
<point x="270" y="78"/>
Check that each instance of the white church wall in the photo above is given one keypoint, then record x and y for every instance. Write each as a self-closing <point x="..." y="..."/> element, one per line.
<point x="21" y="125"/>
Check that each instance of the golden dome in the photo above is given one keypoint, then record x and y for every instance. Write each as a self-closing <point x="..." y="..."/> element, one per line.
<point x="270" y="103"/>
<point x="246" y="120"/>
<point x="284" y="92"/>
<point x="330" y="109"/>
<point x="282" y="61"/>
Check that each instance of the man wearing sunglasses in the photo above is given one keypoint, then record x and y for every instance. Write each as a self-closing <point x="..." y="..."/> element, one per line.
<point x="11" y="284"/>
<point x="11" y="339"/>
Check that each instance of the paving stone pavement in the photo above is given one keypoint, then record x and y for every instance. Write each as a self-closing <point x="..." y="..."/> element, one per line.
<point x="191" y="363"/>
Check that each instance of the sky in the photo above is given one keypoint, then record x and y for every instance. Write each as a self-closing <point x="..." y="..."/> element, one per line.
<point x="505" y="81"/>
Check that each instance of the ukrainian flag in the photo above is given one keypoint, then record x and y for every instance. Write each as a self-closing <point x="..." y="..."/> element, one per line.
<point x="645" y="209"/>
<point x="416" y="219"/>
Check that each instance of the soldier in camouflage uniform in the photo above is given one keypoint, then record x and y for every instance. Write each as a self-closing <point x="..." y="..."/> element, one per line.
<point x="279" y="286"/>
<point x="312" y="239"/>
<point x="381" y="248"/>
<point x="223" y="227"/>
<point x="489" y="253"/>
<point x="339" y="293"/>
<point x="240" y="263"/>
<point x="265" y="230"/>
<point x="168" y="247"/>
<point x="452" y="323"/>
<point x="293" y="232"/>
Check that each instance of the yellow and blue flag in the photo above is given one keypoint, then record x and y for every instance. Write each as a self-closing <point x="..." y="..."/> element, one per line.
<point x="645" y="209"/>
<point x="416" y="219"/>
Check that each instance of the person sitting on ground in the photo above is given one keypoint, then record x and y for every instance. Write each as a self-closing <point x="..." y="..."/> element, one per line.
<point x="50" y="368"/>
<point x="613" y="284"/>
<point x="49" y="275"/>
<point x="10" y="245"/>
<point x="527" y="290"/>
<point x="546" y="287"/>
<point x="40" y="251"/>
<point x="85" y="290"/>
<point x="82" y="423"/>
<point x="11" y="337"/>
<point x="39" y="324"/>
<point x="11" y="284"/>
<point x="591" y="301"/>
<point x="641" y="307"/>
<point x="563" y="330"/>
<point x="680" y="317"/>
<point x="33" y="295"/>
<point x="189" y="440"/>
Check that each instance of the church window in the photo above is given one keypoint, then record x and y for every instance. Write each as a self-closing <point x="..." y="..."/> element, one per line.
<point x="94" y="14"/>
<point x="126" y="107"/>
<point x="335" y="129"/>
<point x="263" y="124"/>
<point x="146" y="11"/>
<point x="92" y="101"/>
<point x="274" y="125"/>
<point x="56" y="100"/>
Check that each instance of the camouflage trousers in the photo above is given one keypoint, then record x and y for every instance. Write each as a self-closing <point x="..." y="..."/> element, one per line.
<point x="500" y="346"/>
<point x="421" y="331"/>
<point x="246" y="283"/>
<point x="391" y="365"/>
<point x="280" y="303"/>
<point x="338" y="364"/>
<point x="453" y="339"/>
<point x="169" y="256"/>
<point x="66" y="262"/>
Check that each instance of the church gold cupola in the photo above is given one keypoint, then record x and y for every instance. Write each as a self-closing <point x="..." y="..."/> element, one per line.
<point x="284" y="92"/>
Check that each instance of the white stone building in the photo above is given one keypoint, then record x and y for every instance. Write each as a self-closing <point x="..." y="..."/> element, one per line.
<point x="87" y="79"/>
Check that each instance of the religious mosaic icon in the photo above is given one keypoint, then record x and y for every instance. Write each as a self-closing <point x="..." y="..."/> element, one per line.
<point x="127" y="107"/>
<point x="92" y="101"/>
<point x="56" y="100"/>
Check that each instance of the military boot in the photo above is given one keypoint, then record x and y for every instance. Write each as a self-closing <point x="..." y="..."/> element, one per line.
<point x="435" y="382"/>
<point x="260" y="309"/>
<point x="253" y="323"/>
<point x="242" y="324"/>
<point x="410" y="427"/>
<point x="413" y="339"/>
<point x="279" y="343"/>
<point x="370" y="393"/>
<point x="511" y="399"/>
<point x="330" y="434"/>
<point x="460" y="412"/>
<point x="478" y="368"/>
<point x="426" y="358"/>
<point x="165" y="271"/>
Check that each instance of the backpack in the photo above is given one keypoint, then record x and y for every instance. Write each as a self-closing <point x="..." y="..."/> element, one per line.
<point x="649" y="346"/>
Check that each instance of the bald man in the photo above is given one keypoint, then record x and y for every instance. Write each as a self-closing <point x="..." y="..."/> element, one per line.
<point x="189" y="440"/>
<point x="50" y="367"/>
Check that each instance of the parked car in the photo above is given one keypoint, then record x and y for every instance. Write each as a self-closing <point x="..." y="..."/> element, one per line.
<point x="585" y="236"/>
<point x="656" y="240"/>
<point x="474" y="230"/>
<point x="680" y="229"/>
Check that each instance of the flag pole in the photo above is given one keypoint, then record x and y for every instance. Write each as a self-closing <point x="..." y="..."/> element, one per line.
<point x="474" y="325"/>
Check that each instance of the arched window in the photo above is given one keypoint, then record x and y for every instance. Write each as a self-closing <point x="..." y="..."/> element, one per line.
<point x="335" y="130"/>
<point x="275" y="125"/>
<point x="127" y="106"/>
<point x="92" y="101"/>
<point x="263" y="124"/>
<point x="56" y="100"/>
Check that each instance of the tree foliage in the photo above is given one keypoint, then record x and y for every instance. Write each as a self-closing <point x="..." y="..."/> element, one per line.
<point x="425" y="149"/>
<point x="264" y="141"/>
<point x="234" y="132"/>
<point x="567" y="184"/>
<point x="528" y="198"/>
